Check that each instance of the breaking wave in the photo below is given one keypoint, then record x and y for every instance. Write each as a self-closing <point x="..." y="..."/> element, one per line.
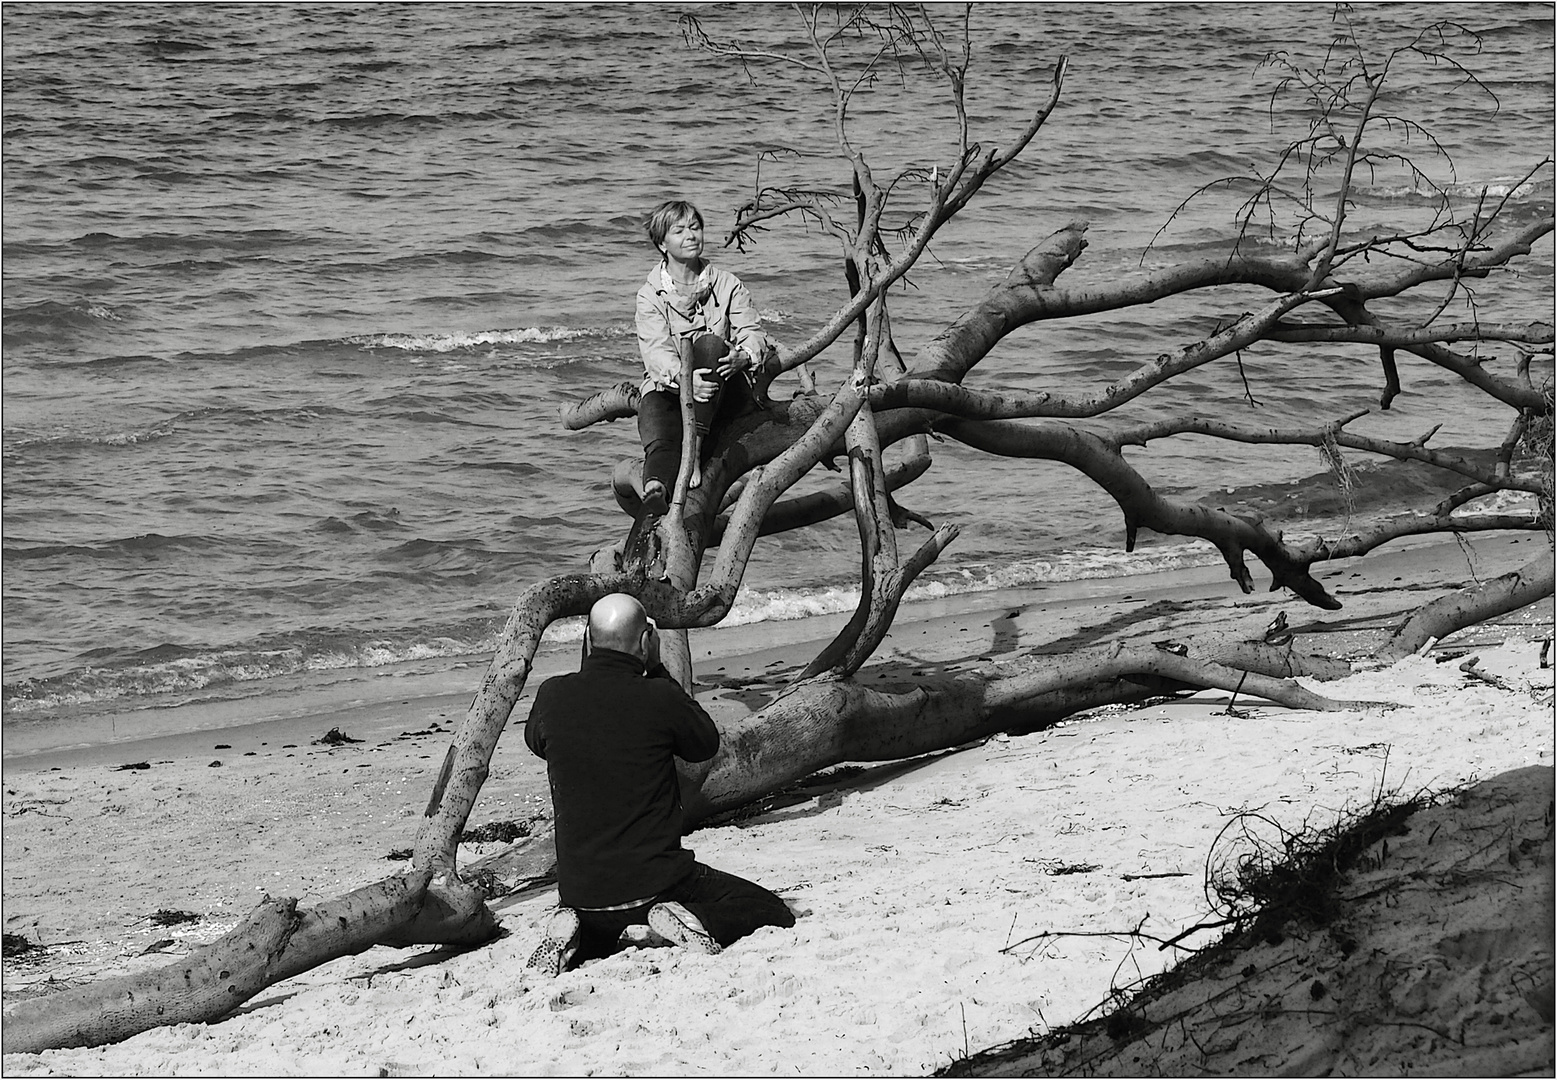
<point x="443" y="343"/>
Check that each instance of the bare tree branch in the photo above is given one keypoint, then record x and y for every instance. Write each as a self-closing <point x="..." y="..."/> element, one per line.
<point x="1534" y="333"/>
<point x="1101" y="462"/>
<point x="1317" y="436"/>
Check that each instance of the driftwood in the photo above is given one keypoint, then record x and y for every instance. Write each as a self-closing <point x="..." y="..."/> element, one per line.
<point x="1509" y="592"/>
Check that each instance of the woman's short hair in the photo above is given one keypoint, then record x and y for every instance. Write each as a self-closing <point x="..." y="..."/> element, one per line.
<point x="667" y="214"/>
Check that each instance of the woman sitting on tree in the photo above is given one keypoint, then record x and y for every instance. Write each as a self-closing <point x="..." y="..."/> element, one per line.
<point x="688" y="307"/>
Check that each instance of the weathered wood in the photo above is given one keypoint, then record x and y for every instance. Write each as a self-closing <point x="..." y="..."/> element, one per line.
<point x="1508" y="592"/>
<point x="824" y="722"/>
<point x="1100" y="461"/>
<point x="613" y="403"/>
<point x="275" y="942"/>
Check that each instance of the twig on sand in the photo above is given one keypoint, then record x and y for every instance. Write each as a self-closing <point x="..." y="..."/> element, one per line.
<point x="1044" y="937"/>
<point x="1469" y="667"/>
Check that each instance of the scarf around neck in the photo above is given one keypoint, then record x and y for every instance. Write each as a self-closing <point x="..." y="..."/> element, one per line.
<point x="701" y="289"/>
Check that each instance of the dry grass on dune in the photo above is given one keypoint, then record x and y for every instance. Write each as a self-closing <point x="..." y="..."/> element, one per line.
<point x="1412" y="938"/>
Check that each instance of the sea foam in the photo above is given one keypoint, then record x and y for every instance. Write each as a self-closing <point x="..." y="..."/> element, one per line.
<point x="453" y="342"/>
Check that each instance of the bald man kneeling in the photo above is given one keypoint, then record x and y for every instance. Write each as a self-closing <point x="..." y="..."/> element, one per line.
<point x="610" y="735"/>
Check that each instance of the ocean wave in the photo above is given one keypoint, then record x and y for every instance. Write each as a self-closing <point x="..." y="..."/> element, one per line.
<point x="432" y="416"/>
<point x="1528" y="29"/>
<point x="243" y="241"/>
<point x="370" y="66"/>
<point x="515" y="468"/>
<point x="444" y="343"/>
<point x="172" y="176"/>
<point x="565" y="231"/>
<point x="102" y="161"/>
<point x="337" y="49"/>
<point x="55" y="314"/>
<point x="366" y="521"/>
<point x="488" y="46"/>
<point x="196" y="266"/>
<point x="1216" y="245"/>
<point x="1497" y="187"/>
<point x="173" y="45"/>
<point x="1366" y="487"/>
<point x="755" y="605"/>
<point x="240" y="670"/>
<point x="16" y="442"/>
<point x="141" y="543"/>
<point x="300" y="414"/>
<point x="1501" y="502"/>
<point x="379" y="121"/>
<point x="267" y="116"/>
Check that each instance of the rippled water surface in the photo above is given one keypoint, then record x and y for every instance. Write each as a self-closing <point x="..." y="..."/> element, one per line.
<point x="292" y="294"/>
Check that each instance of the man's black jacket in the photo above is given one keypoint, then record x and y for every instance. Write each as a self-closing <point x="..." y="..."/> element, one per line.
<point x="609" y="735"/>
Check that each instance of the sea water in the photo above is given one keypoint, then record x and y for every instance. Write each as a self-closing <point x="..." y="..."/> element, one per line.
<point x="292" y="294"/>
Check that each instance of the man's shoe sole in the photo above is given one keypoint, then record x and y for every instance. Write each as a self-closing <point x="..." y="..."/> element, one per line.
<point x="551" y="956"/>
<point x="547" y="959"/>
<point x="678" y="925"/>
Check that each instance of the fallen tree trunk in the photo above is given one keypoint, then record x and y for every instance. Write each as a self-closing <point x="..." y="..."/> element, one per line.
<point x="1533" y="581"/>
<point x="827" y="722"/>
<point x="820" y="724"/>
<point x="275" y="942"/>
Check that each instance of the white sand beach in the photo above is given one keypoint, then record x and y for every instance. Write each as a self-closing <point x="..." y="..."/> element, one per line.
<point x="920" y="885"/>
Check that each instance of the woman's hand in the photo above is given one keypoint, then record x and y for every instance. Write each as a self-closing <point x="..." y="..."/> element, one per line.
<point x="737" y="359"/>
<point x="704" y="385"/>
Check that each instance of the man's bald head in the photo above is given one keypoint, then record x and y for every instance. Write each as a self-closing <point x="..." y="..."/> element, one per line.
<point x="618" y="621"/>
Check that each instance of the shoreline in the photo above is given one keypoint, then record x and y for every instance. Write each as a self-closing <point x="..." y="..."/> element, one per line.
<point x="286" y="709"/>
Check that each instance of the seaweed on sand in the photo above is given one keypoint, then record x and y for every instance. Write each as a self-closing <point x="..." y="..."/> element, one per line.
<point x="170" y="917"/>
<point x="18" y="945"/>
<point x="496" y="832"/>
<point x="335" y="737"/>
